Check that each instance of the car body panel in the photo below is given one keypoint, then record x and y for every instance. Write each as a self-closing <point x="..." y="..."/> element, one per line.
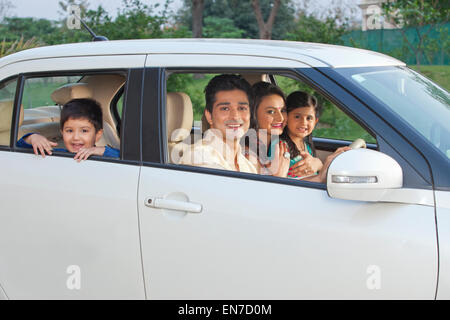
<point x="224" y="61"/>
<point x="443" y="222"/>
<point x="72" y="63"/>
<point x="61" y="213"/>
<point x="300" y="244"/>
<point x="313" y="54"/>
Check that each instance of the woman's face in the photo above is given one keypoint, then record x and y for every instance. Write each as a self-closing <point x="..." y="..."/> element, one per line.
<point x="271" y="114"/>
<point x="301" y="121"/>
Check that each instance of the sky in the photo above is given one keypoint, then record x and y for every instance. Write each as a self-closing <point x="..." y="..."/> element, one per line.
<point x="49" y="9"/>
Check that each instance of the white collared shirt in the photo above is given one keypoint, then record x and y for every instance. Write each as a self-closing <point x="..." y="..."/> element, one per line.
<point x="213" y="152"/>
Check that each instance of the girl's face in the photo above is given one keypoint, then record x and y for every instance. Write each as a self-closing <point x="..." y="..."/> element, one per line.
<point x="301" y="121"/>
<point x="271" y="114"/>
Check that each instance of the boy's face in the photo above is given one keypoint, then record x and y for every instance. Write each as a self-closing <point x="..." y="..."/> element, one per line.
<point x="79" y="133"/>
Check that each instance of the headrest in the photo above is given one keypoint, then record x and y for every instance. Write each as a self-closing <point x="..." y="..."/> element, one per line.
<point x="253" y="78"/>
<point x="71" y="91"/>
<point x="6" y="110"/>
<point x="179" y="116"/>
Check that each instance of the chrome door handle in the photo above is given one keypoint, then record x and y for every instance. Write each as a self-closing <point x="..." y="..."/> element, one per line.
<point x="177" y="205"/>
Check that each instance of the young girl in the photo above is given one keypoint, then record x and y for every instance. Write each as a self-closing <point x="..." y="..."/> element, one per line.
<point x="303" y="114"/>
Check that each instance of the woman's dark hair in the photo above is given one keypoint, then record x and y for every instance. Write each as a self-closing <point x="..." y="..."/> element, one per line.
<point x="83" y="109"/>
<point x="225" y="82"/>
<point x="300" y="99"/>
<point x="260" y="90"/>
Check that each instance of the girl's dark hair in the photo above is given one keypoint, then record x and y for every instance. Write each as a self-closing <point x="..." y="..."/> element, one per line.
<point x="83" y="109"/>
<point x="299" y="99"/>
<point x="260" y="90"/>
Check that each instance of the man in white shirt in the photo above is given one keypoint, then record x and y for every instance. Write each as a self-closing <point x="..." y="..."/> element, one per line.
<point x="228" y="114"/>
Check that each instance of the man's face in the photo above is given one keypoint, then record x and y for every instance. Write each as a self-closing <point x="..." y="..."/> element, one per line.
<point x="230" y="114"/>
<point x="79" y="133"/>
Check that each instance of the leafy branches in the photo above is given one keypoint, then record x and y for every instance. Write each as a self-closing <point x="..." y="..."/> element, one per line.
<point x="422" y="15"/>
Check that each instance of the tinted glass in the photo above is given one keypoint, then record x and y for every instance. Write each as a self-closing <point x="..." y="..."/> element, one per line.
<point x="416" y="99"/>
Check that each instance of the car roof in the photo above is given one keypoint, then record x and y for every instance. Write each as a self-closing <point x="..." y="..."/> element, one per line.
<point x="312" y="54"/>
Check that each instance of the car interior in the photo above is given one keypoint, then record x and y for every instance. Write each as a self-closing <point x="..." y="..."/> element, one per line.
<point x="183" y="130"/>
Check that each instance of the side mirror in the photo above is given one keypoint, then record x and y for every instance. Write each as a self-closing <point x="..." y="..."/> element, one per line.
<point x="364" y="175"/>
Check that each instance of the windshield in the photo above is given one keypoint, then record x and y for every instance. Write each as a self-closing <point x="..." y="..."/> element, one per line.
<point x="417" y="100"/>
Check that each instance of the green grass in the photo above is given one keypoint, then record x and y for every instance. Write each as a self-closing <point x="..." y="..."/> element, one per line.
<point x="37" y="91"/>
<point x="439" y="74"/>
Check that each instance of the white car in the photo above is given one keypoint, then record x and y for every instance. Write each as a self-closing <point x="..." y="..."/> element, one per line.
<point x="144" y="227"/>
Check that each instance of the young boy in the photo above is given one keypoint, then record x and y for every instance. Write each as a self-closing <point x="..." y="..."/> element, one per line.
<point x="81" y="127"/>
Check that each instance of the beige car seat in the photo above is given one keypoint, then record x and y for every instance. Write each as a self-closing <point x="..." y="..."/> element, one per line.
<point x="6" y="111"/>
<point x="179" y="123"/>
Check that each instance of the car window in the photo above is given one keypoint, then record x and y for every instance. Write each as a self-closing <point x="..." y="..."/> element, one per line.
<point x="417" y="100"/>
<point x="43" y="99"/>
<point x="37" y="91"/>
<point x="189" y="141"/>
<point x="7" y="94"/>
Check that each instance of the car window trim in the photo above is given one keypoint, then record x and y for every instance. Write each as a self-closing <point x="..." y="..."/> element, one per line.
<point x="16" y="112"/>
<point x="13" y="116"/>
<point x="135" y="141"/>
<point x="113" y="108"/>
<point x="236" y="174"/>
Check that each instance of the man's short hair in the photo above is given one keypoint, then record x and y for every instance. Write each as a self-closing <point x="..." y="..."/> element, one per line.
<point x="225" y="82"/>
<point x="83" y="109"/>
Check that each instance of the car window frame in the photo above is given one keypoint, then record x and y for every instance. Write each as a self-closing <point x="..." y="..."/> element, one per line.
<point x="113" y="108"/>
<point x="130" y="146"/>
<point x="417" y="172"/>
<point x="17" y="78"/>
<point x="154" y="140"/>
<point x="414" y="148"/>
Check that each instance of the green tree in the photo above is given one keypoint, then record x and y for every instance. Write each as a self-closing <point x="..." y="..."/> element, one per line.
<point x="265" y="25"/>
<point x="135" y="20"/>
<point x="15" y="28"/>
<point x="220" y="28"/>
<point x="243" y="16"/>
<point x="310" y="29"/>
<point x="421" y="15"/>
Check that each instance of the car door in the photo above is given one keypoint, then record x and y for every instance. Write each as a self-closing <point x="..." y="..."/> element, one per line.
<point x="214" y="234"/>
<point x="69" y="230"/>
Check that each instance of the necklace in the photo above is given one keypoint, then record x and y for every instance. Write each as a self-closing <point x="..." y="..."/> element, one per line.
<point x="301" y="147"/>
